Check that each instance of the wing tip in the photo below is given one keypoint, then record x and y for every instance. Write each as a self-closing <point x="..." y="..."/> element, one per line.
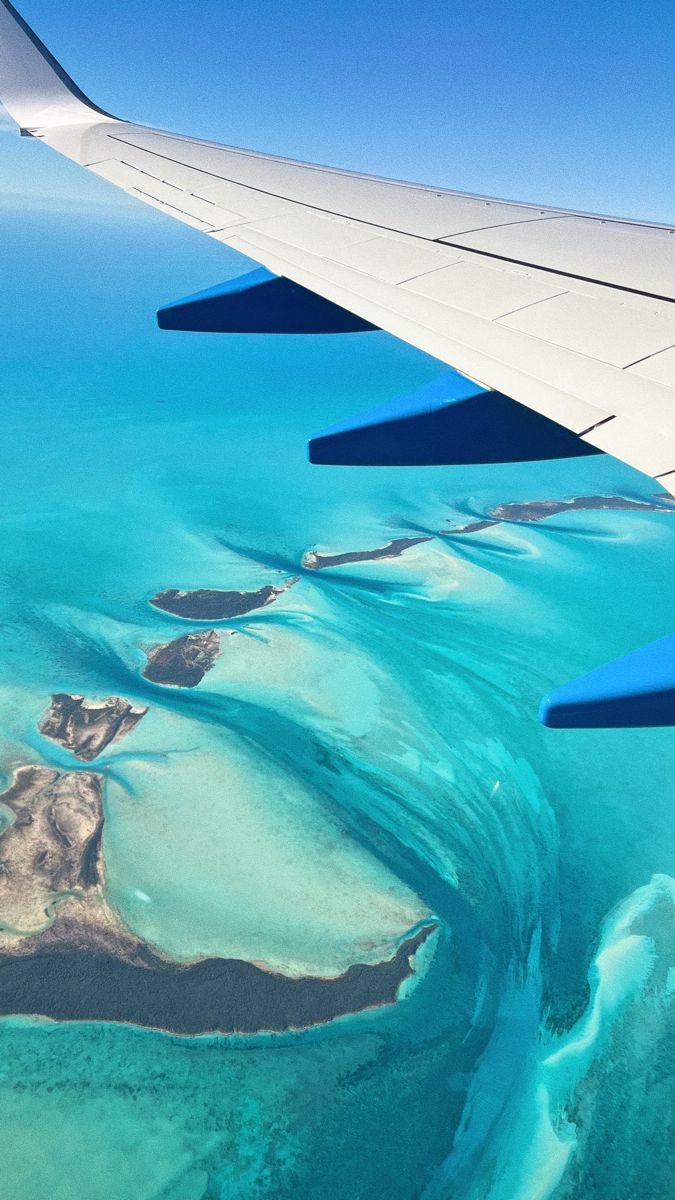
<point x="34" y="88"/>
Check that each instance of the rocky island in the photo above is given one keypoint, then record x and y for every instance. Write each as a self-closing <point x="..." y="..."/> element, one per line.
<point x="211" y="604"/>
<point x="87" y="727"/>
<point x="316" y="562"/>
<point x="51" y="845"/>
<point x="184" y="661"/>
<point x="65" y="952"/>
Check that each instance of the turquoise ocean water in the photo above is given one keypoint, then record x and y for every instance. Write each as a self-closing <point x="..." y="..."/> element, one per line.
<point x="365" y="753"/>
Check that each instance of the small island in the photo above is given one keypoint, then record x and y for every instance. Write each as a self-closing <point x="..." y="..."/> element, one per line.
<point x="538" y="510"/>
<point x="211" y="604"/>
<point x="317" y="562"/>
<point x="184" y="661"/>
<point x="473" y="527"/>
<point x="87" y="727"/>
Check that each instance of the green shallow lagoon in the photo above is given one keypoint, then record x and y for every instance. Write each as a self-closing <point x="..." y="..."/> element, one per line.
<point x="364" y="752"/>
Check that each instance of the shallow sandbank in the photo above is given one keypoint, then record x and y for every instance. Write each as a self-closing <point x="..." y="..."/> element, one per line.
<point x="65" y="952"/>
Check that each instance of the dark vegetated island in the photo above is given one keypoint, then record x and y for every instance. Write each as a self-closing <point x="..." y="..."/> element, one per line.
<point x="211" y="604"/>
<point x="184" y="661"/>
<point x="474" y="527"/>
<point x="393" y="549"/>
<point x="75" y="959"/>
<point x="525" y="511"/>
<point x="539" y="510"/>
<point x="216" y="995"/>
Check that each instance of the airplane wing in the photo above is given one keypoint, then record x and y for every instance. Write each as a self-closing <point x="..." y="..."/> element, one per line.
<point x="571" y="315"/>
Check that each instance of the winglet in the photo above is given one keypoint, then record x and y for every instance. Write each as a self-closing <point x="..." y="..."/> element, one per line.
<point x="34" y="88"/>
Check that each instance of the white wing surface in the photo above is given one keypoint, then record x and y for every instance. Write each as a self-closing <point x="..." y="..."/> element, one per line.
<point x="572" y="315"/>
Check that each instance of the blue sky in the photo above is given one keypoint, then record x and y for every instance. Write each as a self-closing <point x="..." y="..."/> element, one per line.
<point x="569" y="104"/>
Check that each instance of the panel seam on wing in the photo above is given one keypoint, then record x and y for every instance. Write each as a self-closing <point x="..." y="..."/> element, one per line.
<point x="502" y="225"/>
<point x="390" y="229"/>
<point x="289" y="268"/>
<point x="646" y="357"/>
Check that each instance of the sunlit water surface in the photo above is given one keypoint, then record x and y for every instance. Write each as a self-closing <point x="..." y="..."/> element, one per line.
<point x="365" y="753"/>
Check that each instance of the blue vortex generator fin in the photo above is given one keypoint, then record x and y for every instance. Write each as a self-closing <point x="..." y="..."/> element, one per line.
<point x="637" y="689"/>
<point x="451" y="421"/>
<point x="259" y="302"/>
